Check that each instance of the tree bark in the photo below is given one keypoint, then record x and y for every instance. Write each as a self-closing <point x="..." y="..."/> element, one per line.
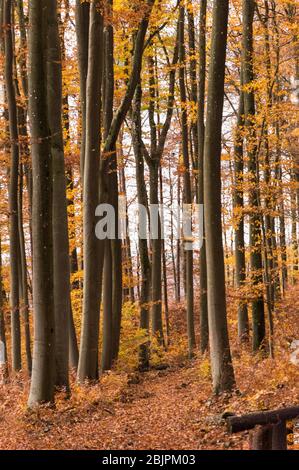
<point x="142" y="243"/>
<point x="23" y="275"/>
<point x="82" y="33"/>
<point x="3" y="344"/>
<point x="243" y="321"/>
<point x="88" y="358"/>
<point x="43" y="368"/>
<point x="258" y="314"/>
<point x="13" y="188"/>
<point x="204" y="324"/>
<point x="222" y="369"/>
<point x="187" y="185"/>
<point x="62" y="302"/>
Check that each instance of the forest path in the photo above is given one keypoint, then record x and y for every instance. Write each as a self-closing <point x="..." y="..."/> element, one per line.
<point x="169" y="409"/>
<point x="161" y="412"/>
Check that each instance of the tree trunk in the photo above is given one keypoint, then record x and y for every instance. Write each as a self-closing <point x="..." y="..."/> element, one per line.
<point x="107" y="345"/>
<point x="88" y="359"/>
<point x="258" y="315"/>
<point x="193" y="85"/>
<point x="187" y="185"/>
<point x="23" y="276"/>
<point x="111" y="316"/>
<point x="3" y="346"/>
<point x="156" y="276"/>
<point x="204" y="324"/>
<point x="73" y="343"/>
<point x="43" y="368"/>
<point x="164" y="266"/>
<point x="142" y="243"/>
<point x="62" y="303"/>
<point x="82" y="33"/>
<point x="222" y="369"/>
<point x="13" y="188"/>
<point x="243" y="321"/>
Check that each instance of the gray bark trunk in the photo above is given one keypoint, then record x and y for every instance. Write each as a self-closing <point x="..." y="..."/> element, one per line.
<point x="43" y="367"/>
<point x="204" y="324"/>
<point x="187" y="185"/>
<point x="13" y="189"/>
<point x="3" y="345"/>
<point x="60" y="223"/>
<point x="258" y="315"/>
<point x="88" y="357"/>
<point x="243" y="322"/>
<point x="222" y="369"/>
<point x="82" y="32"/>
<point x="142" y="243"/>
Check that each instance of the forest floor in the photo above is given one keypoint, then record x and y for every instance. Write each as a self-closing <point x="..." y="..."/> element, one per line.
<point x="172" y="408"/>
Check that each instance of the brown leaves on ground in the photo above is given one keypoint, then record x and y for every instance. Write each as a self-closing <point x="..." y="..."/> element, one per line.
<point x="162" y="409"/>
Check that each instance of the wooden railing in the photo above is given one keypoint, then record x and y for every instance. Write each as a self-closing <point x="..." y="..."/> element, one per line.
<point x="269" y="427"/>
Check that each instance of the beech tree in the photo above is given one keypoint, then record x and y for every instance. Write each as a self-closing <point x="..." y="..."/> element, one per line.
<point x="13" y="187"/>
<point x="222" y="369"/>
<point x="61" y="262"/>
<point x="43" y="367"/>
<point x="187" y="183"/>
<point x="258" y="316"/>
<point x="204" y="328"/>
<point x="243" y="322"/>
<point x="88" y="357"/>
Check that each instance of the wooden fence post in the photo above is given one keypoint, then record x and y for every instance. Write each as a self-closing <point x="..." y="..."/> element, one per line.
<point x="262" y="438"/>
<point x="279" y="436"/>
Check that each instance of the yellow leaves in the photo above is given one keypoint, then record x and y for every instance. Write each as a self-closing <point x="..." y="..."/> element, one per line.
<point x="295" y="132"/>
<point x="131" y="338"/>
<point x="191" y="108"/>
<point x="225" y="157"/>
<point x="256" y="85"/>
<point x="205" y="368"/>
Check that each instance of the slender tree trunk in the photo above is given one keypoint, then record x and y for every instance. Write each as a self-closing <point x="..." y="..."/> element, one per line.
<point x="178" y="247"/>
<point x="88" y="359"/>
<point x="269" y="197"/>
<point x="13" y="188"/>
<point x="164" y="266"/>
<point x="107" y="346"/>
<point x="73" y="343"/>
<point x="243" y="321"/>
<point x="23" y="275"/>
<point x="82" y="32"/>
<point x="294" y="211"/>
<point x="281" y="208"/>
<point x="187" y="186"/>
<point x="193" y="80"/>
<point x="175" y="280"/>
<point x="258" y="314"/>
<point x="278" y="165"/>
<point x="24" y="153"/>
<point x="156" y="309"/>
<point x="204" y="324"/>
<point x="142" y="243"/>
<point x="43" y="367"/>
<point x="222" y="369"/>
<point x="3" y="346"/>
